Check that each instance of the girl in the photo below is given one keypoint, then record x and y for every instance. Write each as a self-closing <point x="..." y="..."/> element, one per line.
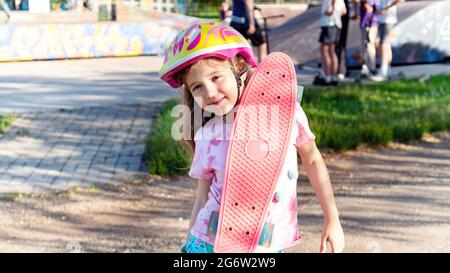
<point x="212" y="62"/>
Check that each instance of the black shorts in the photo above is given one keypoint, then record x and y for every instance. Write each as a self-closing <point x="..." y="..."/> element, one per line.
<point x="329" y="35"/>
<point x="256" y="38"/>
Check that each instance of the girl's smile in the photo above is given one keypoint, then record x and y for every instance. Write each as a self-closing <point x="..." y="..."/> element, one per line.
<point x="217" y="102"/>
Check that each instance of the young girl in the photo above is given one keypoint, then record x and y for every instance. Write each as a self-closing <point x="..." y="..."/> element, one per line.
<point x="212" y="62"/>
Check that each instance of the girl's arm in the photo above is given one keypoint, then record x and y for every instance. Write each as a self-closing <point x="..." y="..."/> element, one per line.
<point x="200" y="200"/>
<point x="320" y="181"/>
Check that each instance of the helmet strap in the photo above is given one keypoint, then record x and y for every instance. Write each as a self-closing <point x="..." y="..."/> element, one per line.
<point x="239" y="82"/>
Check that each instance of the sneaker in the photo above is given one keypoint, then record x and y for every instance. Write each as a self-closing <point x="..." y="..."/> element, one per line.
<point x="378" y="78"/>
<point x="365" y="70"/>
<point x="333" y="83"/>
<point x="341" y="76"/>
<point x="365" y="73"/>
<point x="318" y="80"/>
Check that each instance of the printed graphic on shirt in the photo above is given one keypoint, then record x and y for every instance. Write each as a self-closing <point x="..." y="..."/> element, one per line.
<point x="266" y="235"/>
<point x="213" y="222"/>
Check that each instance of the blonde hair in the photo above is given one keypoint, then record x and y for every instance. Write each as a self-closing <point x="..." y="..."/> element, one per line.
<point x="187" y="138"/>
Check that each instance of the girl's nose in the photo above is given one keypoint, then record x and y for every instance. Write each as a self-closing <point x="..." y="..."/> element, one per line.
<point x="210" y="90"/>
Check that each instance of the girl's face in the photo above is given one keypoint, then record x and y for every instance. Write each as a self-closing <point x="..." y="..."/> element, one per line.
<point x="213" y="86"/>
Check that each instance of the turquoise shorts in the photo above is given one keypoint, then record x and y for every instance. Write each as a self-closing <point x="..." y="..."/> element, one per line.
<point x="195" y="245"/>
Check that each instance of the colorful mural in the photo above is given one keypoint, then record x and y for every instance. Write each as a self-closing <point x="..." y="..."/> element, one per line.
<point x="62" y="41"/>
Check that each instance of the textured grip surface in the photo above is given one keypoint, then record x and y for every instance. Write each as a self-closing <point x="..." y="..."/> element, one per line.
<point x="259" y="142"/>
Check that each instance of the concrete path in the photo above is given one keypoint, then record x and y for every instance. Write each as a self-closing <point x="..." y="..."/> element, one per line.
<point x="57" y="150"/>
<point x="43" y="85"/>
<point x="392" y="199"/>
<point x="79" y="122"/>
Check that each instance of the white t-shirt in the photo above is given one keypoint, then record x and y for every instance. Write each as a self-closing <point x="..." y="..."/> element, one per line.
<point x="335" y="18"/>
<point x="390" y="16"/>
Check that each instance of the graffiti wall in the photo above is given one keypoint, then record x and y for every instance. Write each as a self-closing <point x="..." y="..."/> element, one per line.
<point x="60" y="41"/>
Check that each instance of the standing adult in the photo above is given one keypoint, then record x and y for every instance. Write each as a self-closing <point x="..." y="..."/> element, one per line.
<point x="330" y="23"/>
<point x="368" y="25"/>
<point x="225" y="12"/>
<point x="341" y="46"/>
<point x="243" y="20"/>
<point x="387" y="10"/>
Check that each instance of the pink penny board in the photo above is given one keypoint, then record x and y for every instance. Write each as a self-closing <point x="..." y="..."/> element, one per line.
<point x="259" y="142"/>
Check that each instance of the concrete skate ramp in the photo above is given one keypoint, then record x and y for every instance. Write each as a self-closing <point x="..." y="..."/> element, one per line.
<point x="421" y="36"/>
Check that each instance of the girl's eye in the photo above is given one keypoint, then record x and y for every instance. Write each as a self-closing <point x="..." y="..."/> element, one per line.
<point x="215" y="78"/>
<point x="195" y="88"/>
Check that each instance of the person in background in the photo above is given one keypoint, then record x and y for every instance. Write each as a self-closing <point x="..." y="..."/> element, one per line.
<point x="341" y="46"/>
<point x="387" y="10"/>
<point x="330" y="23"/>
<point x="243" y="20"/>
<point x="225" y="12"/>
<point x="368" y="23"/>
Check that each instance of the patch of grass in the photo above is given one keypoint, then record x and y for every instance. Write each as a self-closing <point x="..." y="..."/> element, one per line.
<point x="344" y="117"/>
<point x="5" y="122"/>
<point x="10" y="196"/>
<point x="165" y="156"/>
<point x="341" y="118"/>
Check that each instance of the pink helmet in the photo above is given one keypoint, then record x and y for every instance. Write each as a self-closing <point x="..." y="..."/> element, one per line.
<point x="201" y="40"/>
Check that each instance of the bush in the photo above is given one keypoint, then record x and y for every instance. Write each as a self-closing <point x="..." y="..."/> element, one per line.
<point x="164" y="155"/>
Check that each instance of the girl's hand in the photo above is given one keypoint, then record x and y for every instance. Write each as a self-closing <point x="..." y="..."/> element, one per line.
<point x="332" y="232"/>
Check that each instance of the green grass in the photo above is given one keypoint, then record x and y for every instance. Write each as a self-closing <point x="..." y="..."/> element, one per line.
<point x="341" y="118"/>
<point x="164" y="155"/>
<point x="344" y="117"/>
<point x="5" y="122"/>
